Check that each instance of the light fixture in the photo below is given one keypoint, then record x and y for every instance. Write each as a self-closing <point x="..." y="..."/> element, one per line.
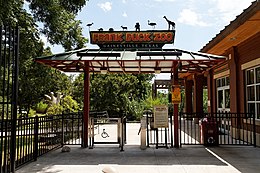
<point x="157" y="70"/>
<point x="103" y="70"/>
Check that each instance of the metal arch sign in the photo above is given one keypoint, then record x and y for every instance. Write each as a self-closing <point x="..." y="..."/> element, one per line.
<point x="132" y="39"/>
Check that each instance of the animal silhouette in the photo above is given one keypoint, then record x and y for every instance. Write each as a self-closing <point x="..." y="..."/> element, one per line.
<point x="124" y="28"/>
<point x="100" y="29"/>
<point x="89" y="25"/>
<point x="170" y="23"/>
<point x="137" y="26"/>
<point x="152" y="24"/>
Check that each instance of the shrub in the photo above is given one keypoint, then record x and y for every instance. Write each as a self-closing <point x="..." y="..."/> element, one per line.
<point x="41" y="107"/>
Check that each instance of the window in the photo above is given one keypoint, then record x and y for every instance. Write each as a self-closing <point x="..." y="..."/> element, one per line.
<point x="253" y="91"/>
<point x="223" y="94"/>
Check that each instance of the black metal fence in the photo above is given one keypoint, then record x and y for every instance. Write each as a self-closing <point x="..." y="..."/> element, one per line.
<point x="9" y="48"/>
<point x="159" y="137"/>
<point x="39" y="135"/>
<point x="221" y="128"/>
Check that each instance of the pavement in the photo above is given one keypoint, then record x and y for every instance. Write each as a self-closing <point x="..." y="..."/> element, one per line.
<point x="188" y="159"/>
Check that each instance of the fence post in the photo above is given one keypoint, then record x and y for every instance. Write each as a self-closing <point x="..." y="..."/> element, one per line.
<point x="36" y="137"/>
<point x="62" y="129"/>
<point x="254" y="127"/>
<point x="147" y="129"/>
<point x="180" y="130"/>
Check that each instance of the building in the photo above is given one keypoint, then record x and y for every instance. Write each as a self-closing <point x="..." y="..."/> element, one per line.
<point x="234" y="85"/>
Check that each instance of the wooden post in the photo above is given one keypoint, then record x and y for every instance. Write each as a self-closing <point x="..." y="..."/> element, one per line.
<point x="86" y="103"/>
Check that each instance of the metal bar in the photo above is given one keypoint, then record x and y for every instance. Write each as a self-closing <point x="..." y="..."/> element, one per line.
<point x="158" y="53"/>
<point x="86" y="103"/>
<point x="254" y="130"/>
<point x="172" y="132"/>
<point x="98" y="54"/>
<point x="36" y="137"/>
<point x="147" y="129"/>
<point x="62" y="129"/>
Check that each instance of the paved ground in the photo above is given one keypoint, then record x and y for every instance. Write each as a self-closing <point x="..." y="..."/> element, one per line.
<point x="188" y="159"/>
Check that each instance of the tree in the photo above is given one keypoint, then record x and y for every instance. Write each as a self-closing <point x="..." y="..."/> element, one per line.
<point x="59" y="26"/>
<point x="116" y="93"/>
<point x="57" y="17"/>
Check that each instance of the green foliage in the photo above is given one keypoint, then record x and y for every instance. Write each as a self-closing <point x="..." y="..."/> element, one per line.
<point x="59" y="23"/>
<point x="69" y="104"/>
<point x="59" y="26"/>
<point x="55" y="109"/>
<point x="161" y="99"/>
<point x="205" y="100"/>
<point x="41" y="107"/>
<point x="31" y="113"/>
<point x="116" y="93"/>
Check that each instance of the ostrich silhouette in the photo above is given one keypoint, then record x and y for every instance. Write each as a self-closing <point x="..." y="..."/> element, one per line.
<point x="152" y="24"/>
<point x="170" y="23"/>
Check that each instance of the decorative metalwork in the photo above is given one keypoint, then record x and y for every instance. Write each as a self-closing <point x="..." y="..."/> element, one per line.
<point x="9" y="42"/>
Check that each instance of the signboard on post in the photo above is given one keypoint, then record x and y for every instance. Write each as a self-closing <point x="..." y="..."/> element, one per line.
<point x="161" y="116"/>
<point x="176" y="94"/>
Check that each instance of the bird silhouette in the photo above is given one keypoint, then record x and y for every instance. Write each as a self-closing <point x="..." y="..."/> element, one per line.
<point x="152" y="24"/>
<point x="89" y="25"/>
<point x="170" y="23"/>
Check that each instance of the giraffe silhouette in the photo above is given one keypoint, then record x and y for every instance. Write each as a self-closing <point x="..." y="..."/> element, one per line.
<point x="170" y="23"/>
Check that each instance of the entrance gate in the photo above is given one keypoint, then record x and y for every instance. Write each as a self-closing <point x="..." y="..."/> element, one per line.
<point x="105" y="130"/>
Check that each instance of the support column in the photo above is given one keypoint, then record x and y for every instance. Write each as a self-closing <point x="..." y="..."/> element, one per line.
<point x="188" y="96"/>
<point x="210" y="84"/>
<point x="86" y="103"/>
<point x="176" y="110"/>
<point x="198" y="95"/>
<point x="234" y="83"/>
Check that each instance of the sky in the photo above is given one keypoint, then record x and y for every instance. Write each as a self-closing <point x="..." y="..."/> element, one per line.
<point x="197" y="21"/>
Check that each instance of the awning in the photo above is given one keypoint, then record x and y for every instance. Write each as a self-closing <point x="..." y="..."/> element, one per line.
<point x="163" y="61"/>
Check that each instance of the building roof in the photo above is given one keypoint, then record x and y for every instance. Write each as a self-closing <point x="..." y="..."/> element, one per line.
<point x="243" y="27"/>
<point x="124" y="61"/>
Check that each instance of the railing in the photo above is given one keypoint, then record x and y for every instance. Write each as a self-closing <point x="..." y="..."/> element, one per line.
<point x="36" y="136"/>
<point x="232" y="128"/>
<point x="160" y="137"/>
<point x="9" y="55"/>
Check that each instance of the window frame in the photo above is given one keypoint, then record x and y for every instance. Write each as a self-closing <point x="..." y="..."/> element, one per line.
<point x="255" y="86"/>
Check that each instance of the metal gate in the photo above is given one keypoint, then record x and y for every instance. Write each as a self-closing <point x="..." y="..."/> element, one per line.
<point x="105" y="130"/>
<point x="9" y="42"/>
<point x="160" y="137"/>
<point x="230" y="128"/>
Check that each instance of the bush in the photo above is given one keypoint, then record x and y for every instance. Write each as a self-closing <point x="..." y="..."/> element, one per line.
<point x="55" y="109"/>
<point x="31" y="113"/>
<point x="41" y="107"/>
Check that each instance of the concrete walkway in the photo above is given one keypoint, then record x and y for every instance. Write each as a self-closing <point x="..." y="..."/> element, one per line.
<point x="188" y="159"/>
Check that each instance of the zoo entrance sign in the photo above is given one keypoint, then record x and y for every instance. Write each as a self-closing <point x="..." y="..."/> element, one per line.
<point x="132" y="39"/>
